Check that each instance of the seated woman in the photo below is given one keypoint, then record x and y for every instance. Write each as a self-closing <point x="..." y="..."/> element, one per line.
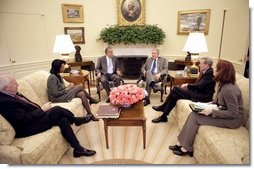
<point x="58" y="92"/>
<point x="229" y="115"/>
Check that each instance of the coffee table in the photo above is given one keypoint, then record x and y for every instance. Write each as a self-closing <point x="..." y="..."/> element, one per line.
<point x="132" y="116"/>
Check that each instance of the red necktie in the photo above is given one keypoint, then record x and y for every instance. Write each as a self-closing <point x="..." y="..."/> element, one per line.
<point x="24" y="99"/>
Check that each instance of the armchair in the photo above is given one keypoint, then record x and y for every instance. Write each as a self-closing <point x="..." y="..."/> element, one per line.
<point x="162" y="81"/>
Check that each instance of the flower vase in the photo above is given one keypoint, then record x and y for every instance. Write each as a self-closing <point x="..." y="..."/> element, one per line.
<point x="126" y="105"/>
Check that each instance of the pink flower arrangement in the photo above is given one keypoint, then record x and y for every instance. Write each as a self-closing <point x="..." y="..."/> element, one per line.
<point x="126" y="94"/>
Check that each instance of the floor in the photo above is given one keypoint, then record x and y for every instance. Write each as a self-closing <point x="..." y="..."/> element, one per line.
<point x="126" y="142"/>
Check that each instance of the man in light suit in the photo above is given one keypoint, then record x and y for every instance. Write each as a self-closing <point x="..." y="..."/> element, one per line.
<point x="107" y="69"/>
<point x="153" y="70"/>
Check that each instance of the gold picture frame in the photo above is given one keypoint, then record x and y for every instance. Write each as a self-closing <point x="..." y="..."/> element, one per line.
<point x="77" y="34"/>
<point x="193" y="20"/>
<point x="131" y="12"/>
<point x="72" y="13"/>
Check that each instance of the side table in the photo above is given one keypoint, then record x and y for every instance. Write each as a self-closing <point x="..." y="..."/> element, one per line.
<point x="82" y="77"/>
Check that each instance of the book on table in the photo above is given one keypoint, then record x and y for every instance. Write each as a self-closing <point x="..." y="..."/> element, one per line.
<point x="199" y="106"/>
<point x="108" y="111"/>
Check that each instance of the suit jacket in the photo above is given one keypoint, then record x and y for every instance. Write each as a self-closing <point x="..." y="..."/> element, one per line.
<point x="203" y="88"/>
<point x="102" y="66"/>
<point x="162" y="65"/>
<point x="25" y="118"/>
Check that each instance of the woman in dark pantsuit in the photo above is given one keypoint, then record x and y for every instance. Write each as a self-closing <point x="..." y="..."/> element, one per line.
<point x="230" y="114"/>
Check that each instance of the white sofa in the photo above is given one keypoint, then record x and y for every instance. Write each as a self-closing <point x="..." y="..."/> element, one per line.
<point x="214" y="145"/>
<point x="43" y="148"/>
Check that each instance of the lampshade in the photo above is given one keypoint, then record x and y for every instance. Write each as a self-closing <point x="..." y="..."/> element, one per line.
<point x="195" y="43"/>
<point x="63" y="45"/>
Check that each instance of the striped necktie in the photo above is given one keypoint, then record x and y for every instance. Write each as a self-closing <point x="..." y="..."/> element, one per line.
<point x="154" y="66"/>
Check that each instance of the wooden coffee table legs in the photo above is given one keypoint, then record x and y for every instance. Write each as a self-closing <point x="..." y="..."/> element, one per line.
<point x="112" y="122"/>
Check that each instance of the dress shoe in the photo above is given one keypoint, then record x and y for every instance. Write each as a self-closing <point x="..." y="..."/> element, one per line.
<point x="175" y="147"/>
<point x="82" y="120"/>
<point x="182" y="153"/>
<point x="108" y="101"/>
<point x="160" y="119"/>
<point x="93" y="101"/>
<point x="157" y="108"/>
<point x="84" y="152"/>
<point x="156" y="89"/>
<point x="146" y="102"/>
<point x="94" y="118"/>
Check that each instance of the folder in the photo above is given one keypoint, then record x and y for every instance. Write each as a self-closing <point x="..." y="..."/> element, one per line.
<point x="108" y="111"/>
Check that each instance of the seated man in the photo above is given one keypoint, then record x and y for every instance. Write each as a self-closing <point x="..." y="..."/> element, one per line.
<point x="28" y="118"/>
<point x="153" y="69"/>
<point x="201" y="91"/>
<point x="107" y="69"/>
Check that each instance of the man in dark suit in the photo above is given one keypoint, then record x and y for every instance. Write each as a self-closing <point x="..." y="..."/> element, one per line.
<point x="153" y="70"/>
<point x="202" y="90"/>
<point x="28" y="118"/>
<point x="107" y="69"/>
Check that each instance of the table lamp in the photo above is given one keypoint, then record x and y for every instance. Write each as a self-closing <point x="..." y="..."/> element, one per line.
<point x="195" y="44"/>
<point x="64" y="46"/>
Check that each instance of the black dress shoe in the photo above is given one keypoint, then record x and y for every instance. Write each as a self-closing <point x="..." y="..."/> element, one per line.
<point x="146" y="102"/>
<point x="108" y="101"/>
<point x="93" y="101"/>
<point x="156" y="89"/>
<point x="84" y="152"/>
<point x="160" y="119"/>
<point x="175" y="147"/>
<point x="157" y="108"/>
<point x="181" y="153"/>
<point x="82" y="120"/>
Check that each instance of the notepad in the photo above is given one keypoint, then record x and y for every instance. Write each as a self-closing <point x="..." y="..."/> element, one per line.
<point x="198" y="106"/>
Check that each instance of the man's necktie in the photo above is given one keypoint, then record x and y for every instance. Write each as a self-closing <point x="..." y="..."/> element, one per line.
<point x="24" y="99"/>
<point x="154" y="66"/>
<point x="110" y="66"/>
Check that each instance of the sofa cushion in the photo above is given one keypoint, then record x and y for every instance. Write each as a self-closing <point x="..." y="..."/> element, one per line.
<point x="7" y="132"/>
<point x="34" y="147"/>
<point x="243" y="84"/>
<point x="225" y="146"/>
<point x="26" y="89"/>
<point x="39" y="84"/>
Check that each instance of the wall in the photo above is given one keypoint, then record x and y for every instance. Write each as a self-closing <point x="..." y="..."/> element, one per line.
<point x="100" y="13"/>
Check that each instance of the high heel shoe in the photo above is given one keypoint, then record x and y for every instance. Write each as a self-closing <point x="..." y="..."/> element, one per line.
<point x="175" y="147"/>
<point x="93" y="101"/>
<point x="181" y="153"/>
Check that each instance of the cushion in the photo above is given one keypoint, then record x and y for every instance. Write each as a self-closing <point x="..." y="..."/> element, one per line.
<point x="7" y="132"/>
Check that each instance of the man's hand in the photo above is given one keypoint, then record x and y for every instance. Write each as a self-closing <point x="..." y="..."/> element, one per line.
<point x="98" y="75"/>
<point x="184" y="85"/>
<point x="46" y="106"/>
<point x="119" y="73"/>
<point x="158" y="75"/>
<point x="206" y="112"/>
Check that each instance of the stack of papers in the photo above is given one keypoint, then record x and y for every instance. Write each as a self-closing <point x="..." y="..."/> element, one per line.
<point x="198" y="106"/>
<point x="108" y="111"/>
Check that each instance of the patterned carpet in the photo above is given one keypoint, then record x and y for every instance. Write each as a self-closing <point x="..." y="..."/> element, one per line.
<point x="126" y="143"/>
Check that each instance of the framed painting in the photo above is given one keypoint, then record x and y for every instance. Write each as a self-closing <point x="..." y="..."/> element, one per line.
<point x="131" y="12"/>
<point x="72" y="13"/>
<point x="77" y="34"/>
<point x="194" y="20"/>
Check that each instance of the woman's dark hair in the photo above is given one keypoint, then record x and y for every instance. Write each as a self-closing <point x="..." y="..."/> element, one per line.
<point x="225" y="72"/>
<point x="55" y="67"/>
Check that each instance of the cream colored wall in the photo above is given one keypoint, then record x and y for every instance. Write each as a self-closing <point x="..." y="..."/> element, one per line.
<point x="100" y="13"/>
